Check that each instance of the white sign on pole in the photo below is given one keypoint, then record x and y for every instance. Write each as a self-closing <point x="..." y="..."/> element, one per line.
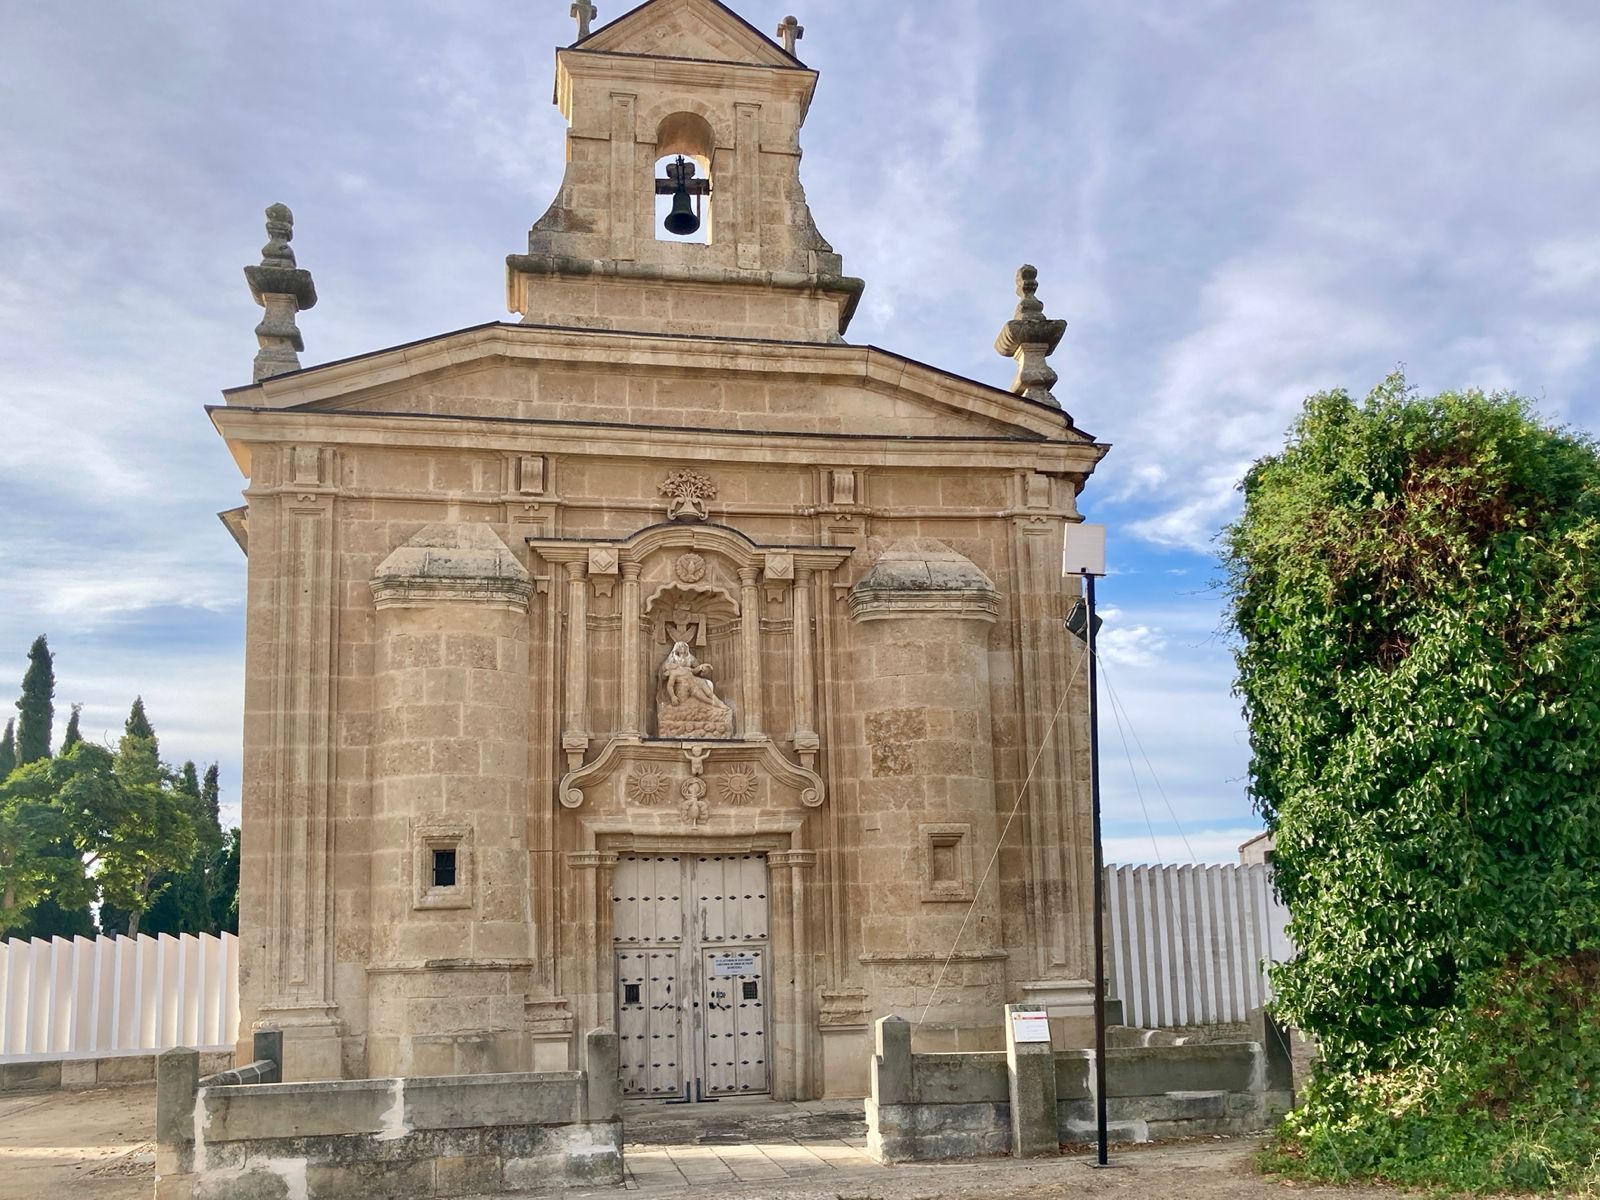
<point x="1030" y="1025"/>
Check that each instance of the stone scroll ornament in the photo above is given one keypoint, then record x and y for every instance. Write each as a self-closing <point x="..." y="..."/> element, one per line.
<point x="687" y="704"/>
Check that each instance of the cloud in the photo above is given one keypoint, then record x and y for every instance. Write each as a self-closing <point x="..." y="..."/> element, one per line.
<point x="1198" y="846"/>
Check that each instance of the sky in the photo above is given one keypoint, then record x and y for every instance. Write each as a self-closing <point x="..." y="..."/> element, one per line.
<point x="1233" y="204"/>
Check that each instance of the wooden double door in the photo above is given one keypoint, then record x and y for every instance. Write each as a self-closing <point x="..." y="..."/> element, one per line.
<point x="690" y="940"/>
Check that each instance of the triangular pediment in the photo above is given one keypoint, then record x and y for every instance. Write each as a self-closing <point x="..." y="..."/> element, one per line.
<point x="514" y="373"/>
<point x="703" y="30"/>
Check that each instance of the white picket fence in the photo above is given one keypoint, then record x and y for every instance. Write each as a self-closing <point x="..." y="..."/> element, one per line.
<point x="1186" y="944"/>
<point x="105" y="995"/>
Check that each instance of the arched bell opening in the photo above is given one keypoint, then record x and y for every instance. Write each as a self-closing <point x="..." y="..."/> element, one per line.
<point x="683" y="185"/>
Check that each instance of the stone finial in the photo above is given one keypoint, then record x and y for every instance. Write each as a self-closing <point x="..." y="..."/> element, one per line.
<point x="584" y="12"/>
<point x="790" y="32"/>
<point x="1030" y="337"/>
<point x="283" y="290"/>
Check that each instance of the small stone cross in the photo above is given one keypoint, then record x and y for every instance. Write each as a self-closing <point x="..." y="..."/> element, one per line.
<point x="791" y="31"/>
<point x="584" y="12"/>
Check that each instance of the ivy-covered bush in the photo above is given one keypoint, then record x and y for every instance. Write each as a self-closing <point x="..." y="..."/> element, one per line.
<point x="1416" y="591"/>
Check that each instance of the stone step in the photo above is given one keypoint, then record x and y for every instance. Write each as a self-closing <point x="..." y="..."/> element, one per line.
<point x="1116" y="1131"/>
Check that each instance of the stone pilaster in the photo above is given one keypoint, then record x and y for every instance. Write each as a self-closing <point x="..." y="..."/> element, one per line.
<point x="751" y="724"/>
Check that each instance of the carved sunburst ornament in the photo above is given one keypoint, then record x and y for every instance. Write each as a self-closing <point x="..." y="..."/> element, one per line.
<point x="647" y="787"/>
<point x="738" y="786"/>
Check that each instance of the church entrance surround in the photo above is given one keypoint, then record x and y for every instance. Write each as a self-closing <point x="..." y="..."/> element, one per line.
<point x="691" y="942"/>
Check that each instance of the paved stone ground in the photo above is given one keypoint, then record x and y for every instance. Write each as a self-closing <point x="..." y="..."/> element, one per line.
<point x="97" y="1145"/>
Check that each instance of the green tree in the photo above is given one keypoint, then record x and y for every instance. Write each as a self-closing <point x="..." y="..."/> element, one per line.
<point x="8" y="749"/>
<point x="73" y="736"/>
<point x="151" y="834"/>
<point x="225" y="886"/>
<point x="37" y="707"/>
<point x="49" y="809"/>
<point x="182" y="900"/>
<point x="1414" y="587"/>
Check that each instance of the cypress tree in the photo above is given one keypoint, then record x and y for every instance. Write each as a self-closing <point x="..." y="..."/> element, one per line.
<point x="211" y="794"/>
<point x="8" y="749"/>
<point x="138" y="725"/>
<point x="36" y="706"/>
<point x="138" y="752"/>
<point x="72" y="736"/>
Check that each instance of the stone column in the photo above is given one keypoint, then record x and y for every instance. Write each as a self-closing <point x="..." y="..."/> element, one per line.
<point x="750" y="723"/>
<point x="804" y="665"/>
<point x="794" y="1017"/>
<point x="632" y="668"/>
<point x="592" y="963"/>
<point x="928" y="825"/>
<point x="452" y="954"/>
<point x="575" y="732"/>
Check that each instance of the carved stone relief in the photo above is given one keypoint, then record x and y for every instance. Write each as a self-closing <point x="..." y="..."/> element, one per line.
<point x="688" y="494"/>
<point x="687" y="704"/>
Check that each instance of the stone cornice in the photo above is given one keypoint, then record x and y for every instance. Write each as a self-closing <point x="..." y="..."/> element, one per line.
<point x="967" y="604"/>
<point x="243" y="427"/>
<point x="616" y="351"/>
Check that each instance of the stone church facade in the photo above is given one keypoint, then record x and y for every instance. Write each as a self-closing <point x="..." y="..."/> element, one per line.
<point x="660" y="661"/>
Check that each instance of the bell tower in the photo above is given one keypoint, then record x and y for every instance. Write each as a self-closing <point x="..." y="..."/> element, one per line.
<point x="682" y="99"/>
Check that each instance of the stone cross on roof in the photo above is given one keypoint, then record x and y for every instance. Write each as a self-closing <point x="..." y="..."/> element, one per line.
<point x="1030" y="337"/>
<point x="284" y="290"/>
<point x="790" y="32"/>
<point x="584" y="12"/>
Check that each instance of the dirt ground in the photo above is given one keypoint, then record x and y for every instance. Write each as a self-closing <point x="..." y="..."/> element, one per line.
<point x="97" y="1145"/>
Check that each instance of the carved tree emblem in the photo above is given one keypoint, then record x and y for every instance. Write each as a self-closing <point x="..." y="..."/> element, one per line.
<point x="688" y="495"/>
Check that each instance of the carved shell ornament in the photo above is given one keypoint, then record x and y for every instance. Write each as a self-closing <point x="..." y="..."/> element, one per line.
<point x="690" y="568"/>
<point x="688" y="495"/>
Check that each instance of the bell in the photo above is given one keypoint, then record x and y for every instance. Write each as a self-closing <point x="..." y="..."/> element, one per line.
<point x="682" y="220"/>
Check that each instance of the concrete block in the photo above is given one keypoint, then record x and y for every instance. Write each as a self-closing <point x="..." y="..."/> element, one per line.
<point x="262" y="1111"/>
<point x="1074" y="1075"/>
<point x="891" y="1064"/>
<point x="973" y="1078"/>
<point x="933" y="1132"/>
<point x="1157" y="1070"/>
<point x="260" y="1183"/>
<point x="364" y="1180"/>
<point x="473" y="1101"/>
<point x="1031" y="1069"/>
<point x="1278" y="1065"/>
<point x="129" y="1068"/>
<point x="177" y="1079"/>
<point x="466" y="1175"/>
<point x="79" y="1072"/>
<point x="603" y="1071"/>
<point x="40" y="1076"/>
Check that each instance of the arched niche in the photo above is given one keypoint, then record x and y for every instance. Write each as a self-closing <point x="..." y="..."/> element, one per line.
<point x="690" y="135"/>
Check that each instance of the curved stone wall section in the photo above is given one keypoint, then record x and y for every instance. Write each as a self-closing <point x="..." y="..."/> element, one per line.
<point x="926" y="793"/>
<point x="451" y="931"/>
